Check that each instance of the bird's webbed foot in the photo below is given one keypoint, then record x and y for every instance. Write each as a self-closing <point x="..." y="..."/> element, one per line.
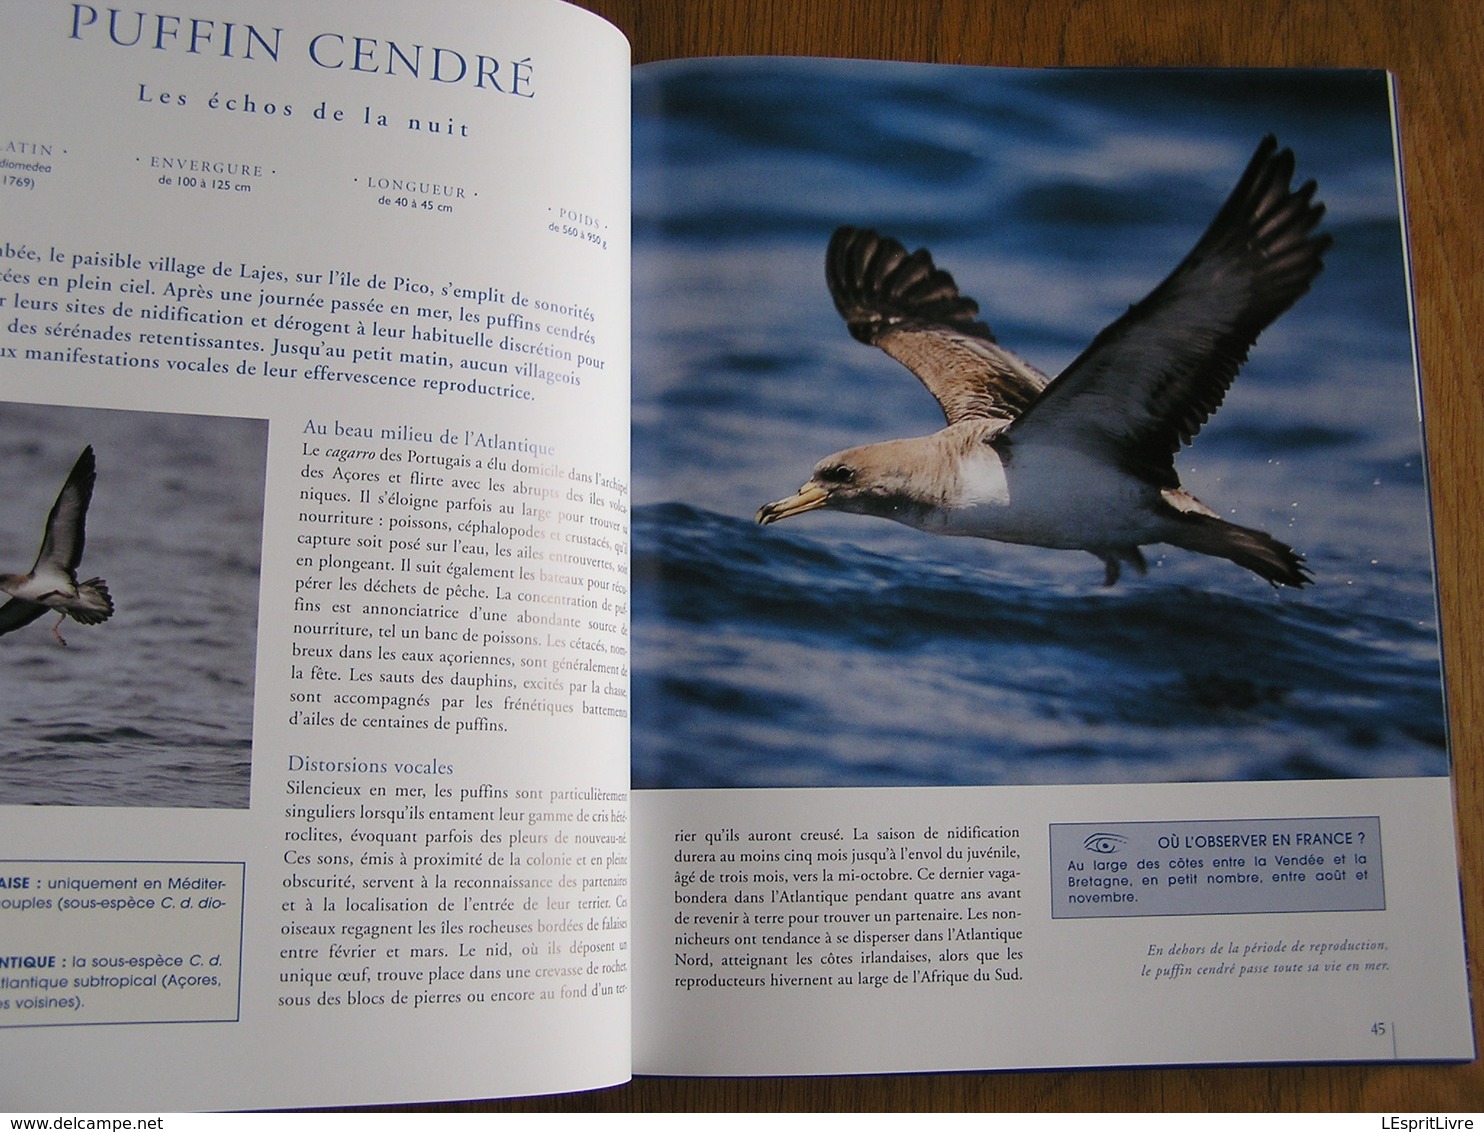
<point x="1113" y="563"/>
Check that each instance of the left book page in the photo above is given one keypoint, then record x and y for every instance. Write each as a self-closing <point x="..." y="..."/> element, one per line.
<point x="314" y="399"/>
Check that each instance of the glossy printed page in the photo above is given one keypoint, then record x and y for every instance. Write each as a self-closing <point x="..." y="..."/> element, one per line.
<point x="1142" y="742"/>
<point x="315" y="384"/>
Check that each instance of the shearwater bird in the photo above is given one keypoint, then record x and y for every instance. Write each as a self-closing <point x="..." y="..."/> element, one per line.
<point x="52" y="583"/>
<point x="1084" y="461"/>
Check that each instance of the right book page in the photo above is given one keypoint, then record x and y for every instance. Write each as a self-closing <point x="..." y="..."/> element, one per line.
<point x="1084" y="706"/>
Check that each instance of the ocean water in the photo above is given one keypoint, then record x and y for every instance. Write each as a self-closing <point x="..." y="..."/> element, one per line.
<point x="842" y="650"/>
<point x="154" y="706"/>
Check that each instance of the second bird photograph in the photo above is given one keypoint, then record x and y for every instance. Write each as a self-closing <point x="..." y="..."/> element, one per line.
<point x="1025" y="427"/>
<point x="128" y="632"/>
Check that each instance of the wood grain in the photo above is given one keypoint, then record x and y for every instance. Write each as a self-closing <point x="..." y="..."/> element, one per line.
<point x="1435" y="48"/>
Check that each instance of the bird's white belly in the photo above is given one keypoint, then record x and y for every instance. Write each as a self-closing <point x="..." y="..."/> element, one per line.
<point x="45" y="588"/>
<point x="1051" y="497"/>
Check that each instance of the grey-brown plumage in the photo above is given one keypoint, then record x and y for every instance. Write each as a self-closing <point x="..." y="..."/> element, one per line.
<point x="1084" y="461"/>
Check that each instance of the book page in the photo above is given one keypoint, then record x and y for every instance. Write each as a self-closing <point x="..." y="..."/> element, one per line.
<point x="314" y="323"/>
<point x="1053" y="792"/>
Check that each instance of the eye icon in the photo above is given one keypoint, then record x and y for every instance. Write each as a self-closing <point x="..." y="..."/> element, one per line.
<point x="1104" y="842"/>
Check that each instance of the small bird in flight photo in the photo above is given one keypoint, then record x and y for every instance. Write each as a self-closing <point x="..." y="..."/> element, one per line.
<point x="52" y="581"/>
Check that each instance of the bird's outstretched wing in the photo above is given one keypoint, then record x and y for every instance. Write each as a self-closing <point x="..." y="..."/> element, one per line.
<point x="912" y="310"/>
<point x="16" y="614"/>
<point x="62" y="544"/>
<point x="1148" y="381"/>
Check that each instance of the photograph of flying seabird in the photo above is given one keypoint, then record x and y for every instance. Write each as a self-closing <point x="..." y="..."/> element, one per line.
<point x="1084" y="462"/>
<point x="152" y="705"/>
<point x="52" y="582"/>
<point x="833" y="651"/>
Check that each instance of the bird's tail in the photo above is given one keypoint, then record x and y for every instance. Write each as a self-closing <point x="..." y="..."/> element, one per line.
<point x="94" y="604"/>
<point x="1257" y="550"/>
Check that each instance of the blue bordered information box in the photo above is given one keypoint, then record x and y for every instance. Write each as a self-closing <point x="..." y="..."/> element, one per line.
<point x="97" y="942"/>
<point x="1201" y="868"/>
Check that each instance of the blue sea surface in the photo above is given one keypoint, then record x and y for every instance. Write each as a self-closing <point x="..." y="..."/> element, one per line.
<point x="154" y="706"/>
<point x="842" y="650"/>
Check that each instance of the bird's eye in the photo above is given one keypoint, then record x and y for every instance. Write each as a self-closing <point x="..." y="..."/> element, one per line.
<point x="837" y="473"/>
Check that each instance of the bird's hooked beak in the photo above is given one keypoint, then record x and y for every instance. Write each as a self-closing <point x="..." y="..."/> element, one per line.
<point x="810" y="497"/>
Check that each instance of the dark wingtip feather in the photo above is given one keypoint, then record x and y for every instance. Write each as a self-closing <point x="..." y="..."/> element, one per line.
<point x="877" y="285"/>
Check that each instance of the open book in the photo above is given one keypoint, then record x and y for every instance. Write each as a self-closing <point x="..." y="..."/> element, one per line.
<point x="377" y="727"/>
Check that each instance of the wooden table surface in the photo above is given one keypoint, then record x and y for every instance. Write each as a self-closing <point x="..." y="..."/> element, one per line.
<point x="1435" y="48"/>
